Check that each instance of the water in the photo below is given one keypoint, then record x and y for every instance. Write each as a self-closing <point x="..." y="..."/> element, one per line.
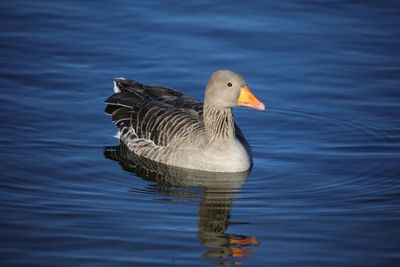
<point x="324" y="189"/>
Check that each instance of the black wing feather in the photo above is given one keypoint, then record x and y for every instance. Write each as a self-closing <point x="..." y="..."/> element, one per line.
<point x="155" y="113"/>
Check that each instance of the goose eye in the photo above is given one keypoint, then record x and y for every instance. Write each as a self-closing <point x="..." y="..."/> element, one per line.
<point x="229" y="84"/>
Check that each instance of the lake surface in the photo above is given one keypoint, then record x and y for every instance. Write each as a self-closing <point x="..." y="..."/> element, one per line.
<point x="324" y="189"/>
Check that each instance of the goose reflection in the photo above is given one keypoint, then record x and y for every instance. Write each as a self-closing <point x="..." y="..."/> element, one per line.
<point x="216" y="193"/>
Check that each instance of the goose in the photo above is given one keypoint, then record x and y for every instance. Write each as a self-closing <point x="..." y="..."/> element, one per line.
<point x="166" y="126"/>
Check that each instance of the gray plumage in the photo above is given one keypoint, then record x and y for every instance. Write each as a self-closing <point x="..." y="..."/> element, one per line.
<point x="166" y="126"/>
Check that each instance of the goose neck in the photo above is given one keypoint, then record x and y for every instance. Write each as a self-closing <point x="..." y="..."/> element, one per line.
<point x="218" y="123"/>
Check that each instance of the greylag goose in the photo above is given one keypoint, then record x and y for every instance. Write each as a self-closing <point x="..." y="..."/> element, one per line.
<point x="169" y="127"/>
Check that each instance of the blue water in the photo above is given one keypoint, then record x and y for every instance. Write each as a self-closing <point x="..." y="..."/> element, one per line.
<point x="324" y="189"/>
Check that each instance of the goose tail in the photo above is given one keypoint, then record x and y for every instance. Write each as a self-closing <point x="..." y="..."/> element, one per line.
<point x="118" y="82"/>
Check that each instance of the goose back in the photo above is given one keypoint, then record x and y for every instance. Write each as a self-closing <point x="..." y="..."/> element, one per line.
<point x="152" y="116"/>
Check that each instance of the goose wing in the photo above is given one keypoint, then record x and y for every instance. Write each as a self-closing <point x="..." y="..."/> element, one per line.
<point x="152" y="115"/>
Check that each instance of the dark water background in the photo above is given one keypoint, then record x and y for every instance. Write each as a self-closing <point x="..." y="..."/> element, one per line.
<point x="324" y="190"/>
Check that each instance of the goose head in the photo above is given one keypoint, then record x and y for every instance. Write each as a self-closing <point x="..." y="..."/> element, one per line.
<point x="228" y="89"/>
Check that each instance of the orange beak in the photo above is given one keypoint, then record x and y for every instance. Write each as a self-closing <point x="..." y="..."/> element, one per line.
<point x="247" y="99"/>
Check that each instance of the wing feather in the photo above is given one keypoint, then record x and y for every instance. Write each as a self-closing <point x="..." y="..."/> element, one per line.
<point x="152" y="115"/>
